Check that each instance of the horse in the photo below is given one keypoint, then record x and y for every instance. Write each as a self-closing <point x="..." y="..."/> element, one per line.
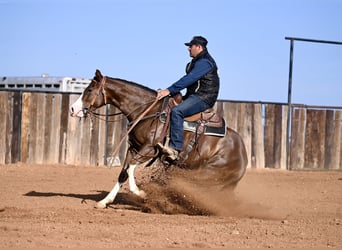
<point x="219" y="159"/>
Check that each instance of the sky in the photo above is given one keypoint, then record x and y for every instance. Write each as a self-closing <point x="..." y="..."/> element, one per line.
<point x="143" y="41"/>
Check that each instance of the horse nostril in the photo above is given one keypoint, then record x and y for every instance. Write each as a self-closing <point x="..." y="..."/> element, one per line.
<point x="72" y="110"/>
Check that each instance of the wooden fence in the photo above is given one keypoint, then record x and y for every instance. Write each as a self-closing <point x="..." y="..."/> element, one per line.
<point x="41" y="130"/>
<point x="37" y="128"/>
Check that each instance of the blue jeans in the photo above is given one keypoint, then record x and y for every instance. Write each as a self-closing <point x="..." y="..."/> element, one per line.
<point x="192" y="105"/>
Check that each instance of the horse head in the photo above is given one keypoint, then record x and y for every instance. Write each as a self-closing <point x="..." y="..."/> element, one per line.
<point x="93" y="97"/>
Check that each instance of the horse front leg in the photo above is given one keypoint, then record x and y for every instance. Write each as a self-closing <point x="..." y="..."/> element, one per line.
<point x="122" y="178"/>
<point x="112" y="194"/>
<point x="127" y="172"/>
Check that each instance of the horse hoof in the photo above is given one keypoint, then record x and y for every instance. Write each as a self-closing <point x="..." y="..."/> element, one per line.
<point x="100" y="205"/>
<point x="141" y="194"/>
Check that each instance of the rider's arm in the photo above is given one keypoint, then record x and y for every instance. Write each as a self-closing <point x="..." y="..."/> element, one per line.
<point x="201" y="67"/>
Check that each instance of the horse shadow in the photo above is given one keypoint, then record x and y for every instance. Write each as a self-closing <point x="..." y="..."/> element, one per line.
<point x="122" y="199"/>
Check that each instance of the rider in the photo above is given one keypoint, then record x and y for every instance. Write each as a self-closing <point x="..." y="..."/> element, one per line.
<point x="202" y="84"/>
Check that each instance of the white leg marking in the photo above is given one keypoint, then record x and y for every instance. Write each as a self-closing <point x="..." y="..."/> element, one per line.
<point x="110" y="197"/>
<point x="132" y="184"/>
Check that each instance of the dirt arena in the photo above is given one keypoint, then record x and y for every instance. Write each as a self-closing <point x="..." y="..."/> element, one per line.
<point x="53" y="206"/>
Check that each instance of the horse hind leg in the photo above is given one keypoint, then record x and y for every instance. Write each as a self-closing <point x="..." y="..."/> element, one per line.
<point x="222" y="172"/>
<point x="232" y="173"/>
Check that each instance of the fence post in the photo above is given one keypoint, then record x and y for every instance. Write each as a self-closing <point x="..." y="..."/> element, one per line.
<point x="289" y="105"/>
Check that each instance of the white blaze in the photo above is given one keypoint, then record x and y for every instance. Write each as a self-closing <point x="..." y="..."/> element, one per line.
<point x="76" y="108"/>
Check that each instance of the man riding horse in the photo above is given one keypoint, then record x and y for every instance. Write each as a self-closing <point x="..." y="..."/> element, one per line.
<point x="202" y="83"/>
<point x="215" y="159"/>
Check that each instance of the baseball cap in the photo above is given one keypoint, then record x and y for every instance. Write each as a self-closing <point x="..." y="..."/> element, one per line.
<point x="197" y="40"/>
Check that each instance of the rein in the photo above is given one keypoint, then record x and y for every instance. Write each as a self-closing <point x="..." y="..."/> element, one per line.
<point x="99" y="115"/>
<point x="134" y="124"/>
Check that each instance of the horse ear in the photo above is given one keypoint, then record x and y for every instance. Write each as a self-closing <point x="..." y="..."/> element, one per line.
<point x="98" y="74"/>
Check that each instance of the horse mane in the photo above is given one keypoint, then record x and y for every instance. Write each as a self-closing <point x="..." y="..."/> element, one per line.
<point x="137" y="85"/>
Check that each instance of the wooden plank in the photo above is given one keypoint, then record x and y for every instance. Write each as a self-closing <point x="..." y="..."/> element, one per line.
<point x="219" y="108"/>
<point x="339" y="120"/>
<point x="231" y="114"/>
<point x="102" y="141"/>
<point x="39" y="119"/>
<point x="258" y="154"/>
<point x="102" y="136"/>
<point x="48" y="123"/>
<point x="322" y="134"/>
<point x="3" y="114"/>
<point x="94" y="143"/>
<point x="277" y="142"/>
<point x="74" y="135"/>
<point x="76" y="148"/>
<point x="297" y="139"/>
<point x="78" y="139"/>
<point x="112" y="133"/>
<point x="283" y="153"/>
<point x="269" y="135"/>
<point x="55" y="128"/>
<point x="329" y="139"/>
<point x="52" y="123"/>
<point x="314" y="139"/>
<point x="275" y="136"/>
<point x="16" y="129"/>
<point x="32" y="128"/>
<point x="25" y="123"/>
<point x="245" y="127"/>
<point x="117" y="130"/>
<point x="241" y="119"/>
<point x="64" y="128"/>
<point x="9" y="128"/>
<point x="336" y="162"/>
<point x="85" y="142"/>
<point x="310" y="141"/>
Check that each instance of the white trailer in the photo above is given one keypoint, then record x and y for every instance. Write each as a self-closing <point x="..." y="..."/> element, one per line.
<point x="45" y="83"/>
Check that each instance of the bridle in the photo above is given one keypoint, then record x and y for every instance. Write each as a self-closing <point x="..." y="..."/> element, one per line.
<point x="101" y="89"/>
<point x="102" y="85"/>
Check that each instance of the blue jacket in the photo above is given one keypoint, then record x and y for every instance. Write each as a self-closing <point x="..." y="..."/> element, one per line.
<point x="201" y="79"/>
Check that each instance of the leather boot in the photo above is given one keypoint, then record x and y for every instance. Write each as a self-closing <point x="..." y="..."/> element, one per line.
<point x="172" y="154"/>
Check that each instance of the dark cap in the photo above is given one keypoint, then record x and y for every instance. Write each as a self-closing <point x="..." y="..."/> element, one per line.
<point x="198" y="40"/>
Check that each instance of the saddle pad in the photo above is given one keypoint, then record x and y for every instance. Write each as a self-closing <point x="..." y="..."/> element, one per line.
<point x="191" y="126"/>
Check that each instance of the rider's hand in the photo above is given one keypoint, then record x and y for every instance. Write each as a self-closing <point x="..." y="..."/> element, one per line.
<point x="162" y="93"/>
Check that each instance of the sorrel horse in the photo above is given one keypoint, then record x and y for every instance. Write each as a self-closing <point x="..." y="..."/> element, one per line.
<point x="219" y="159"/>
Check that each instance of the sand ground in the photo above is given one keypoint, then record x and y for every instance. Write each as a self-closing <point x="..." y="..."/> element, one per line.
<point x="53" y="206"/>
